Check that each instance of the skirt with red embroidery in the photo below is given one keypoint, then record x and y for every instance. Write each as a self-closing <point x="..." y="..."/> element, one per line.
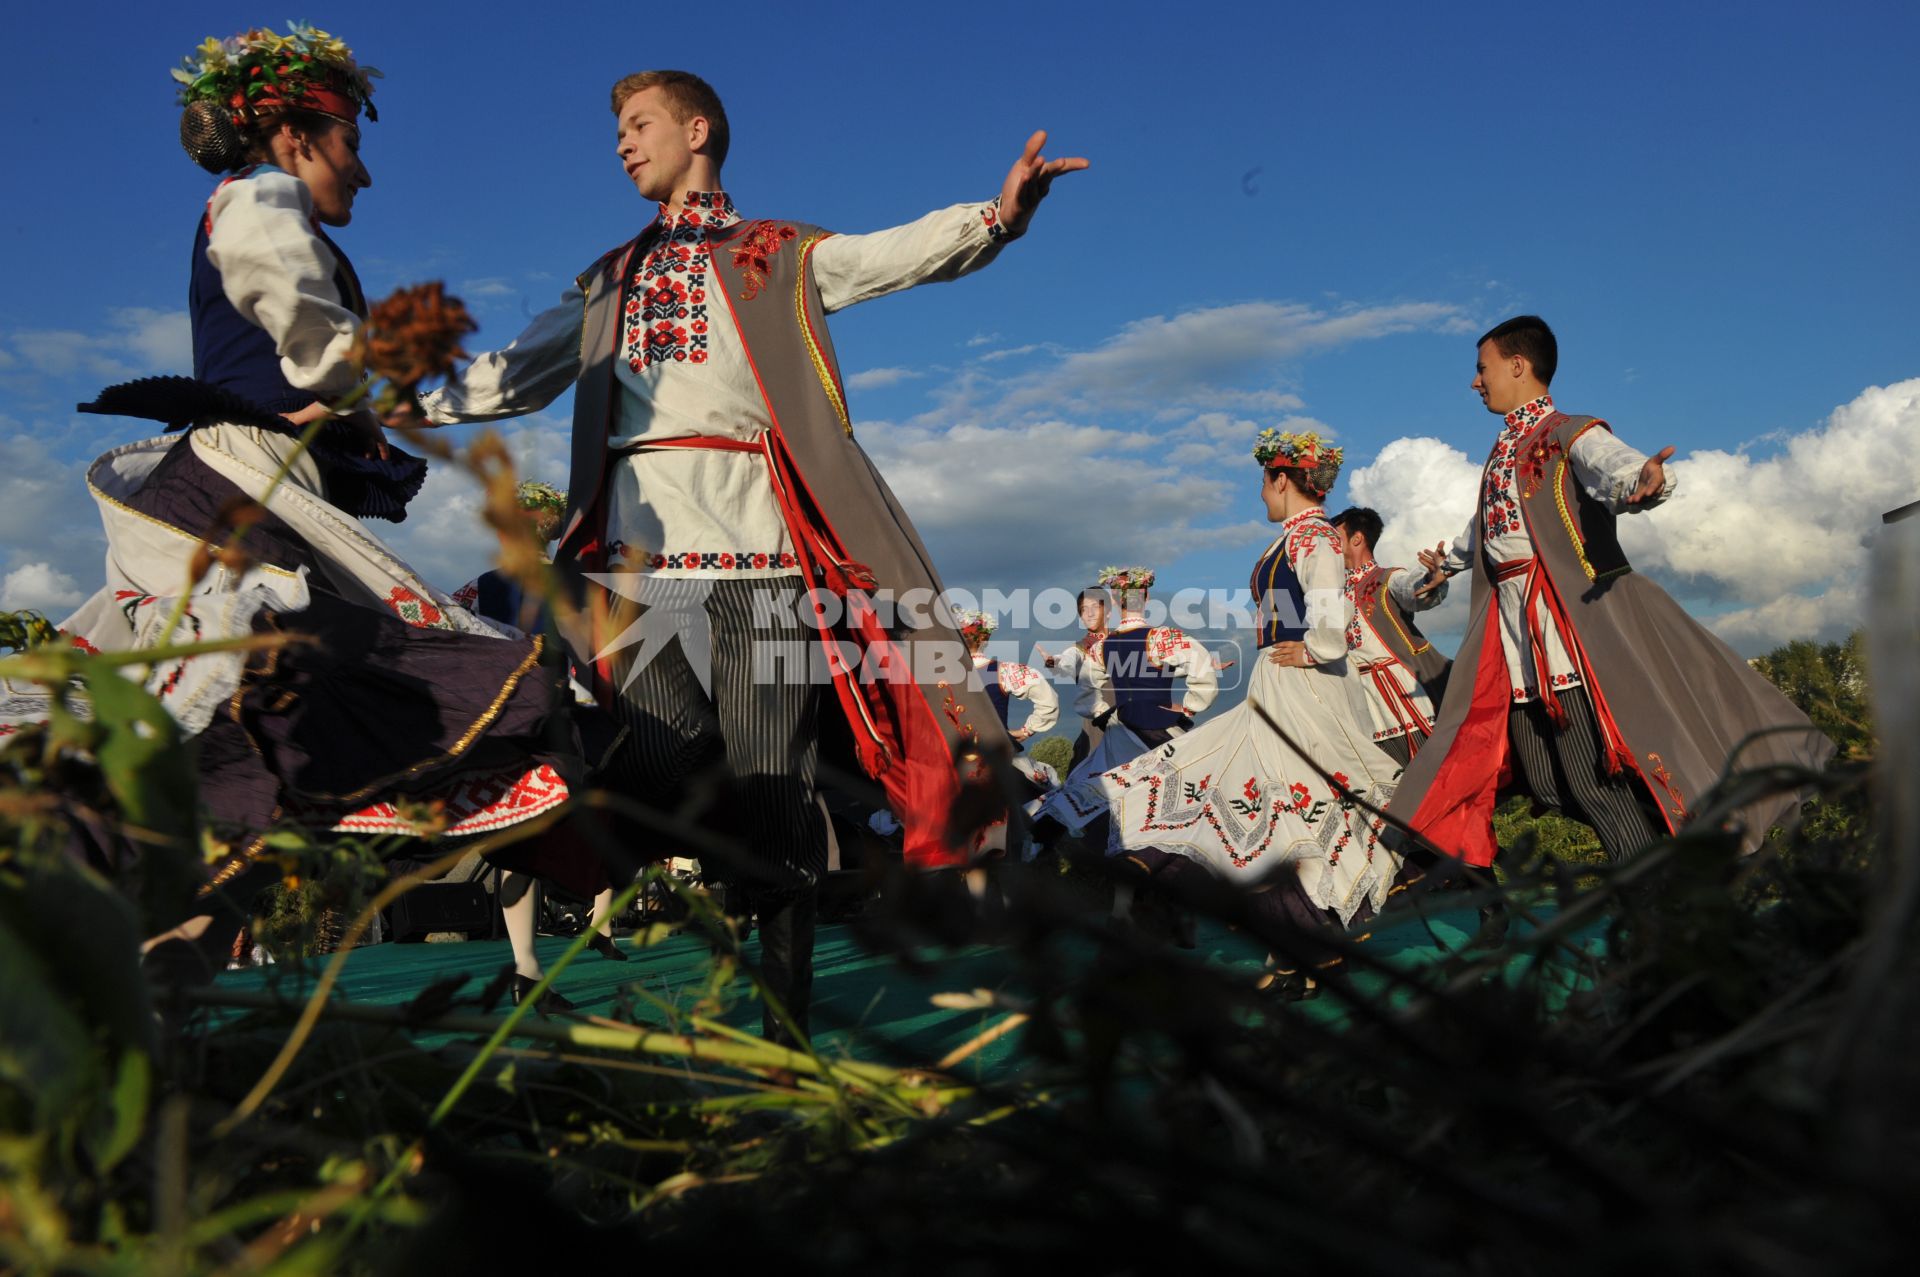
<point x="412" y="718"/>
<point x="1289" y="778"/>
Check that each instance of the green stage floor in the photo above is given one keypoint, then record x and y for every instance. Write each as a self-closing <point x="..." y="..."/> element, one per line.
<point x="873" y="1007"/>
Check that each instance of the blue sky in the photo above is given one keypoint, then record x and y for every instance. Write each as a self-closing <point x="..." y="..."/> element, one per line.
<point x="1294" y="212"/>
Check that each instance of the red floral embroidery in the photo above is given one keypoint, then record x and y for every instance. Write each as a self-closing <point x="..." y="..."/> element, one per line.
<point x="1301" y="796"/>
<point x="666" y="306"/>
<point x="1538" y="460"/>
<point x="754" y="252"/>
<point x="723" y="560"/>
<point x="1499" y="501"/>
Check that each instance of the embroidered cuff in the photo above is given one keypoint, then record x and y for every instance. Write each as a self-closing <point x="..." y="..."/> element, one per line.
<point x="997" y="231"/>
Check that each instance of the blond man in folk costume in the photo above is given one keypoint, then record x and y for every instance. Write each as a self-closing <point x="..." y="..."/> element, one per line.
<point x="1578" y="679"/>
<point x="711" y="446"/>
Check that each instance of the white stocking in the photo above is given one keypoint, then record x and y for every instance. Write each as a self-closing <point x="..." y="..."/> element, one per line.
<point x="520" y="919"/>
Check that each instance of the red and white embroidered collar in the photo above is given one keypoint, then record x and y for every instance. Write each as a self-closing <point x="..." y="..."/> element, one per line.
<point x="1311" y="512"/>
<point x="711" y="209"/>
<point x="1528" y="415"/>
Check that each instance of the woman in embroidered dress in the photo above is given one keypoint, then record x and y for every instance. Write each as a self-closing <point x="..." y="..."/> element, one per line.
<point x="397" y="702"/>
<point x="1235" y="796"/>
<point x="1138" y="666"/>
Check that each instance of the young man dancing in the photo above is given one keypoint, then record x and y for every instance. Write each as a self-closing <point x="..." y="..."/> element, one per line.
<point x="1404" y="673"/>
<point x="714" y="464"/>
<point x="1611" y="703"/>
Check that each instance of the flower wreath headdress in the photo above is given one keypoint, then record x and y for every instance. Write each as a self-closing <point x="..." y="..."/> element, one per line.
<point x="1126" y="580"/>
<point x="228" y="85"/>
<point x="535" y="495"/>
<point x="975" y="627"/>
<point x="1305" y="453"/>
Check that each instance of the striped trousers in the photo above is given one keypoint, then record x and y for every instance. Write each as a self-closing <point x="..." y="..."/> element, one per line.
<point x="1565" y="771"/>
<point x="756" y="730"/>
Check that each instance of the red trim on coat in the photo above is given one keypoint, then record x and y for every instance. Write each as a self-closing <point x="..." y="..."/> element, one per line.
<point x="1456" y="812"/>
<point x="899" y="742"/>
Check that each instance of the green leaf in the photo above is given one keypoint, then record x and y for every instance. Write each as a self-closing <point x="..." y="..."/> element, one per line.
<point x="132" y="1091"/>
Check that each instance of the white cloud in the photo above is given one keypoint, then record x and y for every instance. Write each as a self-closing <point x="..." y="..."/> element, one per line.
<point x="492" y="286"/>
<point x="1045" y="503"/>
<point x="444" y="537"/>
<point x="1424" y="491"/>
<point x="874" y="378"/>
<point x="39" y="586"/>
<point x="161" y="340"/>
<point x="135" y="340"/>
<point x="1196" y="356"/>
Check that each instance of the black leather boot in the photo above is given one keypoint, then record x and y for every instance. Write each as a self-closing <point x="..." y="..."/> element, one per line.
<point x="786" y="958"/>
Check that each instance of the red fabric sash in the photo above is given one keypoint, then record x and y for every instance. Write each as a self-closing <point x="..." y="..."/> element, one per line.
<point x="894" y="735"/>
<point x="1406" y="715"/>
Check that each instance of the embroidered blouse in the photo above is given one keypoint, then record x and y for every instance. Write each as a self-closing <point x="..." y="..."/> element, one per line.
<point x="1306" y="543"/>
<point x="1023" y="682"/>
<point x="684" y="371"/>
<point x="1075" y="665"/>
<point x="1606" y="468"/>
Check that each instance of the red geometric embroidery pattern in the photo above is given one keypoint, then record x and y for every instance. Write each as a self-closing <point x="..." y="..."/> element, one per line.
<point x="1312" y="527"/>
<point x="414" y="610"/>
<point x="1499" y="501"/>
<point x="724" y="560"/>
<point x="474" y="804"/>
<point x="666" y="306"/>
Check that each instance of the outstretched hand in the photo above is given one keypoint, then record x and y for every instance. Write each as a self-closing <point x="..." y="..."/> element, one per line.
<point x="1653" y="478"/>
<point x="1435" y="562"/>
<point x="1028" y="182"/>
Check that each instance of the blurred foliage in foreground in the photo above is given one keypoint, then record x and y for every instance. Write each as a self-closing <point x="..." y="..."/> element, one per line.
<point x="1725" y="1092"/>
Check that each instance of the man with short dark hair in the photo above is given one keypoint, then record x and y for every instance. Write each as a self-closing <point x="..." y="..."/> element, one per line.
<point x="1404" y="674"/>
<point x="1577" y="675"/>
<point x="712" y="449"/>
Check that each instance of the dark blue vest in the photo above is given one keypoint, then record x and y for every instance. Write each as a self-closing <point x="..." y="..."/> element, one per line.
<point x="990" y="676"/>
<point x="1280" y="600"/>
<point x="1142" y="691"/>
<point x="238" y="356"/>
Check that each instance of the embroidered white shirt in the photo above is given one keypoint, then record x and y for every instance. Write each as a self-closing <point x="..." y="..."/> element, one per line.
<point x="1075" y="665"/>
<point x="684" y="370"/>
<point x="1606" y="469"/>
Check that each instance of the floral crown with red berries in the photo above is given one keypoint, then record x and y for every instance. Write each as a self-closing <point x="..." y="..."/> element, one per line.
<point x="1304" y="452"/>
<point x="262" y="70"/>
<point x="975" y="627"/>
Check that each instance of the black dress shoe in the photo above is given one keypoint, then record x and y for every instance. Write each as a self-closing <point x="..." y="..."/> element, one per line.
<point x="550" y="1001"/>
<point x="606" y="948"/>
